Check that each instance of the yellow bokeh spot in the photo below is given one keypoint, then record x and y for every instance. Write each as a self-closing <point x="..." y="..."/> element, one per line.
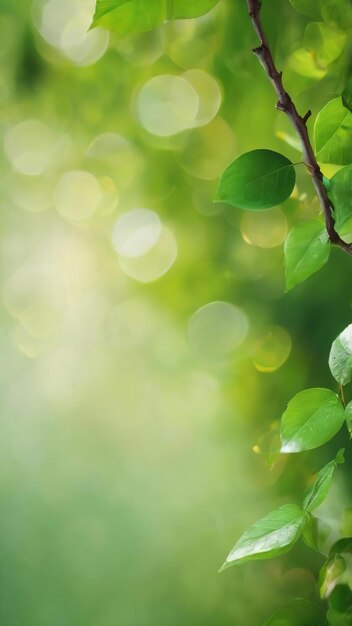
<point x="272" y="349"/>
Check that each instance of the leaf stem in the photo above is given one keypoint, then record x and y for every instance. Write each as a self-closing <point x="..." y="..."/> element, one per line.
<point x="342" y="395"/>
<point x="285" y="104"/>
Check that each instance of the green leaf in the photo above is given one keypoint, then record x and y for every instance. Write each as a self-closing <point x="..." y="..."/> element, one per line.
<point x="271" y="536"/>
<point x="330" y="573"/>
<point x="340" y="194"/>
<point x="335" y="618"/>
<point x="340" y="358"/>
<point x="342" y="546"/>
<point x="127" y="17"/>
<point x="312" y="418"/>
<point x="312" y="8"/>
<point x="317" y="493"/>
<point x="316" y="533"/>
<point x="257" y="180"/>
<point x="333" y="134"/>
<point x="341" y="599"/>
<point x="348" y="414"/>
<point x="337" y="569"/>
<point x="347" y="95"/>
<point x="325" y="42"/>
<point x="306" y="249"/>
<point x="299" y="612"/>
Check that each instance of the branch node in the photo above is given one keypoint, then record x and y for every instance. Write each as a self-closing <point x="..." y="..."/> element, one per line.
<point x="280" y="106"/>
<point x="307" y="116"/>
<point x="259" y="51"/>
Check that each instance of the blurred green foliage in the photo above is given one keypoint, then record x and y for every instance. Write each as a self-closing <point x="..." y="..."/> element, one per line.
<point x="146" y="363"/>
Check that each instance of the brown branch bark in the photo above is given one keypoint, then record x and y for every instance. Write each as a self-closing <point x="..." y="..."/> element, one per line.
<point x="299" y="123"/>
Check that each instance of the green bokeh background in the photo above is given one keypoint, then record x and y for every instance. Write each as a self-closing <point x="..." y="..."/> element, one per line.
<point x="131" y="458"/>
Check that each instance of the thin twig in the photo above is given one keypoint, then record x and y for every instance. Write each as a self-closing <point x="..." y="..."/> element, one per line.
<point x="286" y="105"/>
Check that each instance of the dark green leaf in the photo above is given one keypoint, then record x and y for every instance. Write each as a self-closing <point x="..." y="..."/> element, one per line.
<point x="271" y="536"/>
<point x="317" y="493"/>
<point x="341" y="598"/>
<point x="342" y="546"/>
<point x="257" y="180"/>
<point x="340" y="358"/>
<point x="299" y="612"/>
<point x="340" y="603"/>
<point x="333" y="133"/>
<point x="307" y="249"/>
<point x="135" y="16"/>
<point x="347" y="95"/>
<point x="311" y="419"/>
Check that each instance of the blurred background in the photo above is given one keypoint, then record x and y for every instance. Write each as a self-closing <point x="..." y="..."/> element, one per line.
<point x="148" y="348"/>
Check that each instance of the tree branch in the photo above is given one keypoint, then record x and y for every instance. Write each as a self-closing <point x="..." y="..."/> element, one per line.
<point x="299" y="123"/>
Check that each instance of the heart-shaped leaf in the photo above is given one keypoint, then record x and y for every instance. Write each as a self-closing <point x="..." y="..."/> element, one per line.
<point x="312" y="418"/>
<point x="271" y="536"/>
<point x="257" y="180"/>
<point x="307" y="249"/>
<point x="340" y="358"/>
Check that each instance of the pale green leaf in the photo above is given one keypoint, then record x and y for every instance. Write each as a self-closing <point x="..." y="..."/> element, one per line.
<point x="333" y="134"/>
<point x="330" y="574"/>
<point x="273" y="535"/>
<point x="312" y="418"/>
<point x="340" y="194"/>
<point x="127" y="17"/>
<point x="317" y="493"/>
<point x="306" y="249"/>
<point x="257" y="180"/>
<point x="325" y="42"/>
<point x="340" y="358"/>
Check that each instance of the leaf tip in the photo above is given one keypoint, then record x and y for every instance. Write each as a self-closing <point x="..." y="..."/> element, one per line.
<point x="288" y="447"/>
<point x="340" y="457"/>
<point x="223" y="567"/>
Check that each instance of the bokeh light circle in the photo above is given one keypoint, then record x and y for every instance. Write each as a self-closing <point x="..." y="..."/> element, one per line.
<point x="29" y="146"/>
<point x="136" y="232"/>
<point x="209" y="94"/>
<point x="265" y="229"/>
<point x="77" y="195"/>
<point x="64" y="24"/>
<point x="272" y="349"/>
<point x="217" y="328"/>
<point x="155" y="263"/>
<point x="167" y="105"/>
